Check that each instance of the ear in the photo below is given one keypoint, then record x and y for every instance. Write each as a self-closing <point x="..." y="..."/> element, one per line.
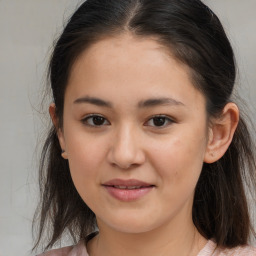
<point x="221" y="133"/>
<point x="52" y="112"/>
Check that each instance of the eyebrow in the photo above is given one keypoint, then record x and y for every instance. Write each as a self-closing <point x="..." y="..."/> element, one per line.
<point x="142" y="104"/>
<point x="94" y="101"/>
<point x="160" y="101"/>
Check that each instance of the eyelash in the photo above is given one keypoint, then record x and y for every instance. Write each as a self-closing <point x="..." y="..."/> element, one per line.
<point x="167" y="121"/>
<point x="89" y="120"/>
<point x="92" y="117"/>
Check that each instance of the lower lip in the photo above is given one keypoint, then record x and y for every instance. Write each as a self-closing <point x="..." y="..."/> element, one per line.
<point x="127" y="195"/>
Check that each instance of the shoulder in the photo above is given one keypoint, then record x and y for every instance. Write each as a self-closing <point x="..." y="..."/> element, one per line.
<point x="211" y="249"/>
<point x="237" y="251"/>
<point x="76" y="250"/>
<point x="58" y="252"/>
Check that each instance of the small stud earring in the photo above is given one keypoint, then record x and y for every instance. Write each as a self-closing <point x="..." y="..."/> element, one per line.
<point x="64" y="154"/>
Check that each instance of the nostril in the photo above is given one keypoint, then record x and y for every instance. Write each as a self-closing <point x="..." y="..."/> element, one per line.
<point x="125" y="153"/>
<point x="125" y="167"/>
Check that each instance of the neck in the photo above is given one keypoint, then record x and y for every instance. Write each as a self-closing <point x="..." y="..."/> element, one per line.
<point x="172" y="240"/>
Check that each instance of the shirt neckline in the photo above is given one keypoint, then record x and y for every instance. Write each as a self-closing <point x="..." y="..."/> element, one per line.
<point x="207" y="250"/>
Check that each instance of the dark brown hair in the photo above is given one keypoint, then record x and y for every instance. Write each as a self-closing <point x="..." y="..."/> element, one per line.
<point x="194" y="35"/>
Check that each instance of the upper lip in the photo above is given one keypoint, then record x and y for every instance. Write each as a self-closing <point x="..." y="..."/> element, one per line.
<point x="127" y="183"/>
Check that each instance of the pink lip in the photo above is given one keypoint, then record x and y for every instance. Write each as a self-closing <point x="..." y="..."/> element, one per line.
<point x="131" y="182"/>
<point x="126" y="194"/>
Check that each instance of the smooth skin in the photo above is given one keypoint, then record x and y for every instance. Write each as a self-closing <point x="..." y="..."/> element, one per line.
<point x="132" y="112"/>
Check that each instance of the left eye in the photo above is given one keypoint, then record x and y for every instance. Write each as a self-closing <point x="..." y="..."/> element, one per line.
<point x="159" y="121"/>
<point x="95" y="120"/>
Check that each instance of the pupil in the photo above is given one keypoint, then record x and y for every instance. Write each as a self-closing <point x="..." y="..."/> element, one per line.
<point x="98" y="120"/>
<point x="159" y="121"/>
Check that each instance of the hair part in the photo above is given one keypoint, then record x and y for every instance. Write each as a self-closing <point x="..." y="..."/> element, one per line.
<point x="193" y="34"/>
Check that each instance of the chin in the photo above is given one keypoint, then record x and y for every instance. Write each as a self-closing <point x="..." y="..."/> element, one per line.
<point x="132" y="229"/>
<point x="129" y="224"/>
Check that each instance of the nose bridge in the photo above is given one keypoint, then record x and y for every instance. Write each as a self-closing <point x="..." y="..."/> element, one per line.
<point x="126" y="149"/>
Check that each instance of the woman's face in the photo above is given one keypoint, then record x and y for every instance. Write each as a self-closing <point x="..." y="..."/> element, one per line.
<point x="134" y="133"/>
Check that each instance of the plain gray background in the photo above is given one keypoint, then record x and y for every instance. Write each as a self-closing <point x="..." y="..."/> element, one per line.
<point x="27" y="30"/>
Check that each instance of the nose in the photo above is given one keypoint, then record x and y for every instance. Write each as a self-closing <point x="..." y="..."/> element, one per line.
<point x="126" y="149"/>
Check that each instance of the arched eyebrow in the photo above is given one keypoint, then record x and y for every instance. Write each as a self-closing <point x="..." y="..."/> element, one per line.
<point x="142" y="104"/>
<point x="94" y="101"/>
<point x="160" y="101"/>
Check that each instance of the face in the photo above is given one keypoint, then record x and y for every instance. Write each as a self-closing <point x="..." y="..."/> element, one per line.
<point x="134" y="133"/>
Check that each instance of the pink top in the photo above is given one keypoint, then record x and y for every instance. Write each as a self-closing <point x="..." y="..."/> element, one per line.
<point x="209" y="250"/>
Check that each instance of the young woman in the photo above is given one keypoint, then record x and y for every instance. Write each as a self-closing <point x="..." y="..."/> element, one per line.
<point x="148" y="154"/>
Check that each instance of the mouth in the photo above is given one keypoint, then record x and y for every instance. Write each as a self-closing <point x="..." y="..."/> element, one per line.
<point x="124" y="184"/>
<point x="127" y="190"/>
<point x="130" y="187"/>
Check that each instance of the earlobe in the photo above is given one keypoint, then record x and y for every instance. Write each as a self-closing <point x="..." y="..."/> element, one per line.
<point x="52" y="112"/>
<point x="64" y="154"/>
<point x="221" y="133"/>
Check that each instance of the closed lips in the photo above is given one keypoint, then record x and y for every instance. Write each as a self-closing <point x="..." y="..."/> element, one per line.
<point x="127" y="190"/>
<point x="130" y="187"/>
<point x="127" y="184"/>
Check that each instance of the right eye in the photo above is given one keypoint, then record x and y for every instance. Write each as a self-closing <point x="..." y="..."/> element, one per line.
<point x="95" y="120"/>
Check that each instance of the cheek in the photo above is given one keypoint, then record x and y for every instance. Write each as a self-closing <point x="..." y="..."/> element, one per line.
<point x="179" y="162"/>
<point x="85" y="157"/>
<point x="84" y="150"/>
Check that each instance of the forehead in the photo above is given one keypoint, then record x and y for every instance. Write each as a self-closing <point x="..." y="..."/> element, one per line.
<point x="129" y="65"/>
<point x="114" y="46"/>
<point x="126" y="49"/>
